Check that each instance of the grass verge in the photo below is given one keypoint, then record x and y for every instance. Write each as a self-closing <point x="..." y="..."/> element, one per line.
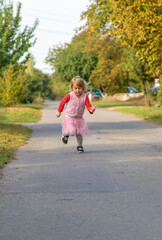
<point x="13" y="135"/>
<point x="136" y="108"/>
<point x="19" y="115"/>
<point x="153" y="114"/>
<point x="106" y="104"/>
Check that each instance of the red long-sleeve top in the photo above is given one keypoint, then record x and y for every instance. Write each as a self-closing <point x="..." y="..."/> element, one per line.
<point x="67" y="98"/>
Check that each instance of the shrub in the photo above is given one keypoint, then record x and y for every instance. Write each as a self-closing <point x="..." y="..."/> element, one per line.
<point x="159" y="95"/>
<point x="13" y="87"/>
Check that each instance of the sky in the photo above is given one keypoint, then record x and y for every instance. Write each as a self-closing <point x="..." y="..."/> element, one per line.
<point x="58" y="20"/>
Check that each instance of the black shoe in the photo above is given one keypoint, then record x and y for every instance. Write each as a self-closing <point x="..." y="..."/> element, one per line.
<point x="80" y="149"/>
<point x="64" y="139"/>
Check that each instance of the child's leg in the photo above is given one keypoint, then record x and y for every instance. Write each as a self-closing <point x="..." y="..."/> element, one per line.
<point x="79" y="140"/>
<point x="64" y="139"/>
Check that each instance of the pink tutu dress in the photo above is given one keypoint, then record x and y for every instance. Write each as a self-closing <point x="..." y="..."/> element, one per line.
<point x="73" y="122"/>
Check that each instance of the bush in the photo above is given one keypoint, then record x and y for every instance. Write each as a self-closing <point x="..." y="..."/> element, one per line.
<point x="13" y="87"/>
<point x="159" y="95"/>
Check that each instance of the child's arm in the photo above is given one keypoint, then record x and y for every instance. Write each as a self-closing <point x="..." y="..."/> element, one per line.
<point x="62" y="104"/>
<point x="89" y="106"/>
<point x="93" y="109"/>
<point x="58" y="114"/>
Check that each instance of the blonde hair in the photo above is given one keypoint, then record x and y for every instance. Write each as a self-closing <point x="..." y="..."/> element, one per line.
<point x="79" y="82"/>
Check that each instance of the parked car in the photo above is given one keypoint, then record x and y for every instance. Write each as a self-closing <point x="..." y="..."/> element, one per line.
<point x="94" y="96"/>
<point x="132" y="90"/>
<point x="154" y="90"/>
<point x="97" y="92"/>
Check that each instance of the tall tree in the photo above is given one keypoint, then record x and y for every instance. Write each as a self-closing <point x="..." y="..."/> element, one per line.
<point x="114" y="71"/>
<point x="71" y="60"/>
<point x="14" y="44"/>
<point x="137" y="23"/>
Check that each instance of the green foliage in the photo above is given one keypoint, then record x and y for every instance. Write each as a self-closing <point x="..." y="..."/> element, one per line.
<point x="38" y="83"/>
<point x="14" y="43"/>
<point x="98" y="16"/>
<point x="11" y="137"/>
<point x="71" y="60"/>
<point x="13" y="88"/>
<point x="118" y="47"/>
<point x="18" y="85"/>
<point x="117" y="67"/>
<point x="108" y="76"/>
<point x="34" y="85"/>
<point x="159" y="95"/>
<point x="138" y="23"/>
<point x="60" y="88"/>
<point x="131" y="67"/>
<point x="101" y="60"/>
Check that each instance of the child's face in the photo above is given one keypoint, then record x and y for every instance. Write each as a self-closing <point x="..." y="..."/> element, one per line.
<point x="77" y="90"/>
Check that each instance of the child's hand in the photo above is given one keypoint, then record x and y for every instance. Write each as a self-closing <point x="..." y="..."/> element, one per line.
<point x="58" y="114"/>
<point x="93" y="109"/>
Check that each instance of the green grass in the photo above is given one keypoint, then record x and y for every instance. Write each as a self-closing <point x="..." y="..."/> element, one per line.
<point x="13" y="135"/>
<point x="19" y="115"/>
<point x="136" y="108"/>
<point x="106" y="104"/>
<point x="153" y="114"/>
<point x="33" y="106"/>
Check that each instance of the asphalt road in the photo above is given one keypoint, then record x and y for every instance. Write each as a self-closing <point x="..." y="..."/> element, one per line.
<point x="111" y="192"/>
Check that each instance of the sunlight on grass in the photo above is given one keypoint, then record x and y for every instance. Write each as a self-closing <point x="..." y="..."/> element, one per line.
<point x="11" y="137"/>
<point x="104" y="103"/>
<point x="148" y="113"/>
<point x="136" y="108"/>
<point x="19" y="115"/>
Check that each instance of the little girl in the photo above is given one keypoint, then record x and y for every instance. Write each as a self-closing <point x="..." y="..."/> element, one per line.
<point x="74" y="123"/>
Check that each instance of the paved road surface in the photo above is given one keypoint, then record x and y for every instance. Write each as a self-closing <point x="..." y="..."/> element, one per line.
<point x="111" y="192"/>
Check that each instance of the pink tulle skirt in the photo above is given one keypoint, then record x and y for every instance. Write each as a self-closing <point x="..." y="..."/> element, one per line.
<point x="74" y="126"/>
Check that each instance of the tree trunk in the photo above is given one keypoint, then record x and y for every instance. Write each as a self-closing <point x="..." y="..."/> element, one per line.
<point x="146" y="92"/>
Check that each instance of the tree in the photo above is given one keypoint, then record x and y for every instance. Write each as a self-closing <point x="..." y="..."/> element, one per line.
<point x="114" y="71"/>
<point x="137" y="23"/>
<point x="98" y="17"/>
<point x="14" y="44"/>
<point x="102" y="60"/>
<point x="38" y="85"/>
<point x="71" y="60"/>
